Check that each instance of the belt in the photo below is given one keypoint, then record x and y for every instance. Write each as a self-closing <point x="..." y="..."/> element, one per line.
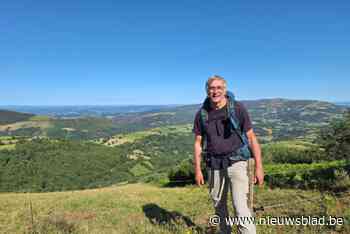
<point x="222" y="161"/>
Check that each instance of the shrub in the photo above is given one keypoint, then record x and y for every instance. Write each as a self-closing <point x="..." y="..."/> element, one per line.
<point x="335" y="139"/>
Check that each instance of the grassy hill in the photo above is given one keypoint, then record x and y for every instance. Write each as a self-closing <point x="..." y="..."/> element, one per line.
<point x="141" y="208"/>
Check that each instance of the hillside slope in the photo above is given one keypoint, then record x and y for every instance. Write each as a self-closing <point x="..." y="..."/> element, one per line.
<point x="140" y="208"/>
<point x="8" y="117"/>
<point x="52" y="165"/>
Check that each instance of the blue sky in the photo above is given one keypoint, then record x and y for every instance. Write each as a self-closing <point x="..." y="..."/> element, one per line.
<point x="161" y="52"/>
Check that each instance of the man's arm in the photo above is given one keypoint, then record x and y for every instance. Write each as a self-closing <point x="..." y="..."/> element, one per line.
<point x="254" y="145"/>
<point x="197" y="160"/>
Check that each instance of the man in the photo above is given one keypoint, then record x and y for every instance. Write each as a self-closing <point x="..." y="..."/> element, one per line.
<point x="226" y="168"/>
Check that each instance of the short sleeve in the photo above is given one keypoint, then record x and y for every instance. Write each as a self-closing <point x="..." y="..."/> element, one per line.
<point x="196" y="125"/>
<point x="244" y="118"/>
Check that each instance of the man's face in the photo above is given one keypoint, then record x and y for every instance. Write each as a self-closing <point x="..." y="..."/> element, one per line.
<point x="216" y="91"/>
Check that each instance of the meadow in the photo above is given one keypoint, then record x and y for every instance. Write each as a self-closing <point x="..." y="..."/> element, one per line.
<point x="146" y="208"/>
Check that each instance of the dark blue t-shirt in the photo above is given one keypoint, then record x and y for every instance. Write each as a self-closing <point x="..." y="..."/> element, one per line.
<point x="220" y="140"/>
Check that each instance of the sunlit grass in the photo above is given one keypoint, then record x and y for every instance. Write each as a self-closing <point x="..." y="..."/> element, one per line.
<point x="142" y="208"/>
<point x="40" y="118"/>
<point x="8" y="147"/>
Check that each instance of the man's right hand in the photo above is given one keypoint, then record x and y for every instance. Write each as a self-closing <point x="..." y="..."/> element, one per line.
<point x="199" y="178"/>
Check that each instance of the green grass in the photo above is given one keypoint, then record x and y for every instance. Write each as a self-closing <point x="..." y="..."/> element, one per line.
<point x="5" y="138"/>
<point x="301" y="167"/>
<point x="296" y="144"/>
<point x="8" y="147"/>
<point x="8" y="143"/>
<point x="40" y="118"/>
<point x="142" y="208"/>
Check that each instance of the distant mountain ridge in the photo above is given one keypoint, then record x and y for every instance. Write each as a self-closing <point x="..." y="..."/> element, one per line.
<point x="273" y="119"/>
<point x="71" y="111"/>
<point x="84" y="110"/>
<point x="343" y="103"/>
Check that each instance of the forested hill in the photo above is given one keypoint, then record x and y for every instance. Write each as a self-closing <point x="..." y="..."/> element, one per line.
<point x="8" y="117"/>
<point x="282" y="110"/>
<point x="273" y="119"/>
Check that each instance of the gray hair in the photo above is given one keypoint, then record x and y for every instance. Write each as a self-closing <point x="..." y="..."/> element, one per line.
<point x="211" y="79"/>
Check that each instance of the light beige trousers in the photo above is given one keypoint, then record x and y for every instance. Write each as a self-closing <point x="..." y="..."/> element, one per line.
<point x="236" y="178"/>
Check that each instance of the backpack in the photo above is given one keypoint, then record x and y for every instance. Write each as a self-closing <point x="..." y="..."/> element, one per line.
<point x="244" y="152"/>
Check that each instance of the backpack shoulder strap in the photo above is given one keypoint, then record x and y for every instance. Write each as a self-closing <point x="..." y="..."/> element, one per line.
<point x="233" y="118"/>
<point x="203" y="118"/>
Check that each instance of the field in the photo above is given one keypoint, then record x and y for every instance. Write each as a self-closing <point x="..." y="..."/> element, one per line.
<point x="144" y="208"/>
<point x="7" y="147"/>
<point x="40" y="118"/>
<point x="123" y="138"/>
<point x="7" y="143"/>
<point x="42" y="124"/>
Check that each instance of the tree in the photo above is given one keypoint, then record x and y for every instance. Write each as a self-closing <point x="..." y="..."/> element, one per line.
<point x="335" y="139"/>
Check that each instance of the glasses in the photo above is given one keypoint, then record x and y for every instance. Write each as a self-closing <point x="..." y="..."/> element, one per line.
<point x="213" y="88"/>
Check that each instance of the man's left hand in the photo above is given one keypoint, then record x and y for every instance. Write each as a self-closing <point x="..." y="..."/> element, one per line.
<point x="259" y="176"/>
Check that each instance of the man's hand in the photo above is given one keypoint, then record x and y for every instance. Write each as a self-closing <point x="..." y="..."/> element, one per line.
<point x="254" y="145"/>
<point x="197" y="160"/>
<point x="259" y="176"/>
<point x="199" y="178"/>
